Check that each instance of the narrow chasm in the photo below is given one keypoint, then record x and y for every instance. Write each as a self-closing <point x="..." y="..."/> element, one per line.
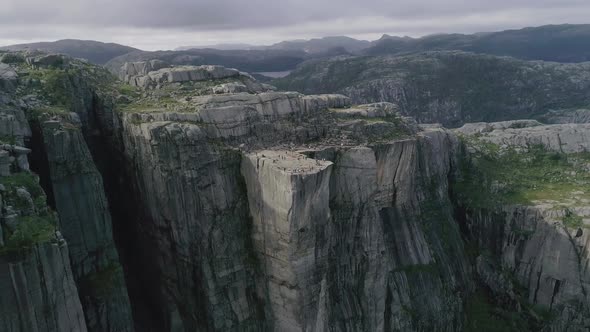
<point x="125" y="209"/>
<point x="38" y="161"/>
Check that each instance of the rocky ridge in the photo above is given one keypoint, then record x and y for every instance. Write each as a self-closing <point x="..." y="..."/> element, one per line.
<point x="451" y="87"/>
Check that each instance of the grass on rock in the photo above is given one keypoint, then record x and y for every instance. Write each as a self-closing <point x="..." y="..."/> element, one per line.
<point x="494" y="175"/>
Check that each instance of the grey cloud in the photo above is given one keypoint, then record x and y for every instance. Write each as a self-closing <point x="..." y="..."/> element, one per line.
<point x="156" y="24"/>
<point x="240" y="14"/>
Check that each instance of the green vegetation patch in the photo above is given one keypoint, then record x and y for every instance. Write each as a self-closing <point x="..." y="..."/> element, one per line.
<point x="30" y="230"/>
<point x="102" y="283"/>
<point x="491" y="176"/>
<point x="127" y="90"/>
<point x="572" y="220"/>
<point x="63" y="87"/>
<point x="27" y="180"/>
<point x="170" y="97"/>
<point x="34" y="114"/>
<point x="483" y="315"/>
<point x="13" y="58"/>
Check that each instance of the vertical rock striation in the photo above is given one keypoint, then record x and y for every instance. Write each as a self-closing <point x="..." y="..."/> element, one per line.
<point x="194" y="227"/>
<point x="38" y="291"/>
<point x="288" y="199"/>
<point x="86" y="224"/>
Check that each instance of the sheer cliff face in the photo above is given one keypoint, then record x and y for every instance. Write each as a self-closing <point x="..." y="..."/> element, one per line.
<point x="65" y="270"/>
<point x="39" y="293"/>
<point x="340" y="242"/>
<point x="86" y="221"/>
<point x="37" y="287"/>
<point x="279" y="214"/>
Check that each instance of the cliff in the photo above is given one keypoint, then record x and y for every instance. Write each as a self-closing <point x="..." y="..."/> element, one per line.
<point x="35" y="113"/>
<point x="86" y="221"/>
<point x="39" y="292"/>
<point x="235" y="207"/>
<point x="523" y="202"/>
<point x="36" y="281"/>
<point x="322" y="217"/>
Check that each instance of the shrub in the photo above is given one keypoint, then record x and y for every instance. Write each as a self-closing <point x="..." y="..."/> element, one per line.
<point x="30" y="230"/>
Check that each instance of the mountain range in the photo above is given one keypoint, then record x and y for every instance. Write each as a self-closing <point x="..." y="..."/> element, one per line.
<point x="561" y="43"/>
<point x="93" y="51"/>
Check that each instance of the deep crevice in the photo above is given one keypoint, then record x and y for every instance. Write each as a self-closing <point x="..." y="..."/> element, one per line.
<point x="140" y="277"/>
<point x="38" y="161"/>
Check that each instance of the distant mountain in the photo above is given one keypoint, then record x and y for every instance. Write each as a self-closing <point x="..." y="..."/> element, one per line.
<point x="223" y="47"/>
<point x="449" y="87"/>
<point x="561" y="43"/>
<point x="283" y="56"/>
<point x="245" y="60"/>
<point x="323" y="45"/>
<point x="93" y="51"/>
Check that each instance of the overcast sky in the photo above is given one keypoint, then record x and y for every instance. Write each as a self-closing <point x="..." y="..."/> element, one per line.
<point x="166" y="24"/>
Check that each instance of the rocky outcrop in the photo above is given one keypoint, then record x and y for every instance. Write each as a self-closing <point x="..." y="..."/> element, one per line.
<point x="229" y="116"/>
<point x="41" y="60"/>
<point x="567" y="116"/>
<point x="13" y="126"/>
<point x="281" y="217"/>
<point x="566" y="138"/>
<point x="339" y="227"/>
<point x="230" y="88"/>
<point x="289" y="196"/>
<point x="534" y="256"/>
<point x="141" y="68"/>
<point x="376" y="110"/>
<point x="86" y="223"/>
<point x="155" y="73"/>
<point x="8" y="77"/>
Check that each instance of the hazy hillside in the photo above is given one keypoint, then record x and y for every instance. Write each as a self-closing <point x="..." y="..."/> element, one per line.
<point x="93" y="51"/>
<point x="311" y="46"/>
<point x="323" y="45"/>
<point x="562" y="43"/>
<point x="245" y="60"/>
<point x="449" y="87"/>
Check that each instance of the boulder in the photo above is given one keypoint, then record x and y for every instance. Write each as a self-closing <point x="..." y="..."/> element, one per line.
<point x="230" y="88"/>
<point x="48" y="60"/>
<point x="130" y="69"/>
<point x="4" y="163"/>
<point x="8" y="77"/>
<point x="10" y="218"/>
<point x="375" y="110"/>
<point x="28" y="206"/>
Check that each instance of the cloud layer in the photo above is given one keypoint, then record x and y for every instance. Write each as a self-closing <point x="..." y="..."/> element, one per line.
<point x="154" y="24"/>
